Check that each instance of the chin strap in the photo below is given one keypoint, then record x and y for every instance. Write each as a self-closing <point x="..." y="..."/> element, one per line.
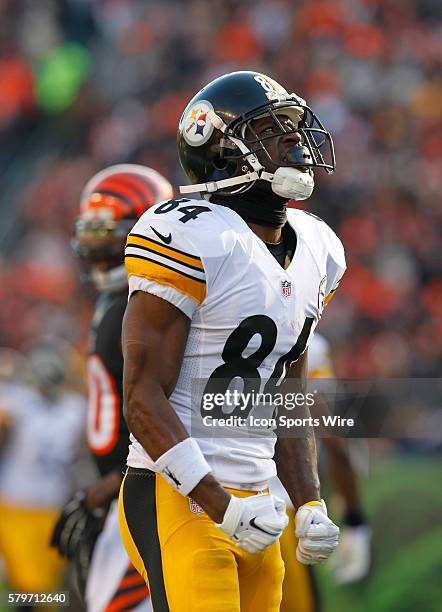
<point x="215" y="185"/>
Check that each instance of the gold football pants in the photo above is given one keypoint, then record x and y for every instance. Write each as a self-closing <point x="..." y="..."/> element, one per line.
<point x="188" y="563"/>
<point x="31" y="564"/>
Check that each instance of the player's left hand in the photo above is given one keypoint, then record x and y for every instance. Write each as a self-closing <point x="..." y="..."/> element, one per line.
<point x="351" y="561"/>
<point x="317" y="535"/>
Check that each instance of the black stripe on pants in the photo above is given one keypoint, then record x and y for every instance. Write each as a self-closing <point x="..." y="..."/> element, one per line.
<point x="139" y="499"/>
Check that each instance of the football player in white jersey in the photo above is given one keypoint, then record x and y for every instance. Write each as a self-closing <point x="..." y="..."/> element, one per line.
<point x="351" y="560"/>
<point x="225" y="289"/>
<point x="44" y="433"/>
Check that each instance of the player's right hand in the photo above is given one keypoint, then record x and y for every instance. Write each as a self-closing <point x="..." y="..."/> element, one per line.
<point x="254" y="523"/>
<point x="74" y="523"/>
<point x="317" y="535"/>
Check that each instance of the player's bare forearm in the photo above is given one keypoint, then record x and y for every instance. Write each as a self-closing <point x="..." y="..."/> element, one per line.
<point x="342" y="472"/>
<point x="148" y="412"/>
<point x="296" y="458"/>
<point x="297" y="466"/>
<point x="154" y="339"/>
<point x="339" y="463"/>
<point x="211" y="496"/>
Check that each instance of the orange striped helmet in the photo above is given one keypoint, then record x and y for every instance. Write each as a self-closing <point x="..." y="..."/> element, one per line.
<point x="110" y="204"/>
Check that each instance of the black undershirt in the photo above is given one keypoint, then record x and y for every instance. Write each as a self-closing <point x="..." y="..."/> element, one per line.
<point x="284" y="250"/>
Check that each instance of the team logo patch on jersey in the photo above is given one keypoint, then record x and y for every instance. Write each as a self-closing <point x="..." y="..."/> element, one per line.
<point x="286" y="288"/>
<point x="197" y="127"/>
<point x="194" y="507"/>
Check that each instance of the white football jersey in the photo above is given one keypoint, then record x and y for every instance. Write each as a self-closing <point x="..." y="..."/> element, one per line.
<point x="250" y="318"/>
<point x="44" y="442"/>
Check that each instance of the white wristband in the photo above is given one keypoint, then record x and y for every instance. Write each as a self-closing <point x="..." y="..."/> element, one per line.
<point x="183" y="466"/>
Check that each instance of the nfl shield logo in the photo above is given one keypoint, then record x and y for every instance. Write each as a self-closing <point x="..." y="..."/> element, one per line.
<point x="286" y="287"/>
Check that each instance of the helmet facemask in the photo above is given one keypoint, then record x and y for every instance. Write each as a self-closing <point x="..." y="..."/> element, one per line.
<point x="291" y="172"/>
<point x="291" y="175"/>
<point x="98" y="238"/>
<point x="99" y="241"/>
<point x="314" y="151"/>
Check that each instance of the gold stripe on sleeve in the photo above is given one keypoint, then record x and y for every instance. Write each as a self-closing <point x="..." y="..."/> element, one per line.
<point x="165" y="275"/>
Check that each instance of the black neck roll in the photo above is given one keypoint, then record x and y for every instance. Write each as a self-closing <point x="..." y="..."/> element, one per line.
<point x="257" y="205"/>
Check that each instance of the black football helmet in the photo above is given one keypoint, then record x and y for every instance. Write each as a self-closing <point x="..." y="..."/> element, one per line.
<point x="220" y="150"/>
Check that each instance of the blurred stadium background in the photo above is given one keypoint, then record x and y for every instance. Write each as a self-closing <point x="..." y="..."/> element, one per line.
<point x="88" y="83"/>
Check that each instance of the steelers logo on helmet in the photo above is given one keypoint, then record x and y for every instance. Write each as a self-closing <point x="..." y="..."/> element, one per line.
<point x="196" y="125"/>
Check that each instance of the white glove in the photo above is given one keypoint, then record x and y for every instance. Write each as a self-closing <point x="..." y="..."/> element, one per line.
<point x="352" y="559"/>
<point x="254" y="523"/>
<point x="317" y="535"/>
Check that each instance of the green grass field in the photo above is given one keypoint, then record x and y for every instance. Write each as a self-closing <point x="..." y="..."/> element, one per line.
<point x="403" y="499"/>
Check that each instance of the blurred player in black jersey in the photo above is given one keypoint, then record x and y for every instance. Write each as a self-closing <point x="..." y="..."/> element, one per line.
<point x="87" y="530"/>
